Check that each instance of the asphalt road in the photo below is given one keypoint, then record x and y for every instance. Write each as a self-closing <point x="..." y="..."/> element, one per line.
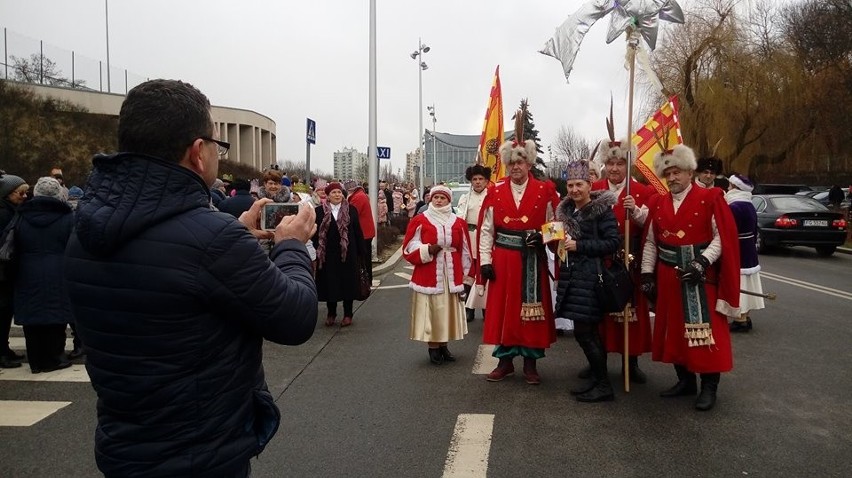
<point x="365" y="401"/>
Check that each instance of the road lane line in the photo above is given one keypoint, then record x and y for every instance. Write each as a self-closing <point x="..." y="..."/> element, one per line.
<point x="399" y="286"/>
<point x="808" y="285"/>
<point x="403" y="275"/>
<point x="74" y="373"/>
<point x="484" y="363"/>
<point x="25" y="413"/>
<point x="469" y="447"/>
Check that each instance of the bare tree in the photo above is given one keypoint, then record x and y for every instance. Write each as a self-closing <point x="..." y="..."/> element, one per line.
<point x="570" y="146"/>
<point x="40" y="69"/>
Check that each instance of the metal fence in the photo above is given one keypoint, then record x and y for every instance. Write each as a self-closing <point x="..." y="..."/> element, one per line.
<point x="29" y="60"/>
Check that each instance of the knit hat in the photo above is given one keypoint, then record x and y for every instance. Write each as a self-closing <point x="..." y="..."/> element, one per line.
<point x="743" y="183"/>
<point x="50" y="187"/>
<point x="9" y="183"/>
<point x="74" y="192"/>
<point x="285" y="181"/>
<point x="334" y="185"/>
<point x="441" y="189"/>
<point x="577" y="170"/>
<point x="681" y="156"/>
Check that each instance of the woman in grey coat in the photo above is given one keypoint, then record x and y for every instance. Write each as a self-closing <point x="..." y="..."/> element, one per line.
<point x="591" y="234"/>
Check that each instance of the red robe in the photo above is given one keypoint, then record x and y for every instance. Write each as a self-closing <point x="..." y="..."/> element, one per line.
<point x="428" y="276"/>
<point x="503" y="324"/>
<point x="693" y="224"/>
<point x="639" y="332"/>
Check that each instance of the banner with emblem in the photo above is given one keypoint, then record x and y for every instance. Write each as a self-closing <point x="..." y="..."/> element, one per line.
<point x="664" y="120"/>
<point x="492" y="131"/>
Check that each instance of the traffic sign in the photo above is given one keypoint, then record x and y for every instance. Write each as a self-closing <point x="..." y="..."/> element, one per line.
<point x="312" y="132"/>
<point x="382" y="152"/>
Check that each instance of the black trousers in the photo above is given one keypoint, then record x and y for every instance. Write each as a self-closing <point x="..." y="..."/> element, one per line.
<point x="6" y="313"/>
<point x="45" y="345"/>
<point x="347" y="308"/>
<point x="368" y="244"/>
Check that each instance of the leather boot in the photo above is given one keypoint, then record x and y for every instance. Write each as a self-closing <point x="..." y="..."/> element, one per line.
<point x="636" y="373"/>
<point x="585" y="373"/>
<point x="707" y="398"/>
<point x="530" y="373"/>
<point x="504" y="368"/>
<point x="445" y="353"/>
<point x="435" y="356"/>
<point x="737" y="326"/>
<point x="602" y="389"/>
<point x="686" y="384"/>
<point x="468" y="314"/>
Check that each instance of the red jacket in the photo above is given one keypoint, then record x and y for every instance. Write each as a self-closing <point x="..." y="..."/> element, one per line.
<point x="428" y="276"/>
<point x="361" y="202"/>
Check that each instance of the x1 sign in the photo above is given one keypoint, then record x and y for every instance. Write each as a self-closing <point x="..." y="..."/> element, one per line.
<point x="382" y="152"/>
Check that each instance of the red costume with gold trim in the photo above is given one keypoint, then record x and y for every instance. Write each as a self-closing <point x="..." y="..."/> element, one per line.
<point x="692" y="225"/>
<point x="503" y="322"/>
<point x="612" y="328"/>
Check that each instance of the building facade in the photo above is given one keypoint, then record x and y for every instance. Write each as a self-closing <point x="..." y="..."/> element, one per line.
<point x="447" y="156"/>
<point x="350" y="164"/>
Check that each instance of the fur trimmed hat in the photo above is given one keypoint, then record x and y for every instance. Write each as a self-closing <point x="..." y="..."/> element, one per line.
<point x="512" y="151"/>
<point x="743" y="183"/>
<point x="50" y="187"/>
<point x="681" y="156"/>
<point x="614" y="150"/>
<point x="477" y="169"/>
<point x="441" y="189"/>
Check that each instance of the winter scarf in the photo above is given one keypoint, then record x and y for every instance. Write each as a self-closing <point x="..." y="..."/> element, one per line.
<point x="342" y="229"/>
<point x="442" y="215"/>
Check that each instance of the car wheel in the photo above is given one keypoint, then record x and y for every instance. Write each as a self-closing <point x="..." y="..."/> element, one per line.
<point x="761" y="244"/>
<point x="825" y="251"/>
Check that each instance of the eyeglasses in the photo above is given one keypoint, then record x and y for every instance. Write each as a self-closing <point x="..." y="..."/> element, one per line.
<point x="221" y="146"/>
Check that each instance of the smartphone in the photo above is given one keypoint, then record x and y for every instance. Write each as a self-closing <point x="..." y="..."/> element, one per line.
<point x="273" y="213"/>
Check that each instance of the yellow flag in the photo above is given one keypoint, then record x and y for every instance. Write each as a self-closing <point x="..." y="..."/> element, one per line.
<point x="492" y="131"/>
<point x="664" y="119"/>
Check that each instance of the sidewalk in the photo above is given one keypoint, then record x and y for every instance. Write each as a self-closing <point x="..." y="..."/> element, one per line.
<point x="392" y="260"/>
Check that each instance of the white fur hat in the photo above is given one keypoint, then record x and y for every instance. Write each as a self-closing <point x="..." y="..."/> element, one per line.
<point x="512" y="151"/>
<point x="615" y="149"/>
<point x="681" y="156"/>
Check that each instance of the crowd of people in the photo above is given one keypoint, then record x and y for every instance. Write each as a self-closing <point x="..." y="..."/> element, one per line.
<point x="166" y="274"/>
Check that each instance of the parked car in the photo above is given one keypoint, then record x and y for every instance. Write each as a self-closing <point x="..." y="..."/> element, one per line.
<point x="458" y="190"/>
<point x="780" y="188"/>
<point x="822" y="197"/>
<point x="791" y="220"/>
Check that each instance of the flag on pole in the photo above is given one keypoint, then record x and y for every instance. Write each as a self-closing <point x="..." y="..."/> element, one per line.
<point x="664" y="119"/>
<point x="492" y="131"/>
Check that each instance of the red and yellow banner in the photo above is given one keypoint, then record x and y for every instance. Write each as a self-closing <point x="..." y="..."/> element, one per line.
<point x="664" y="119"/>
<point x="492" y="131"/>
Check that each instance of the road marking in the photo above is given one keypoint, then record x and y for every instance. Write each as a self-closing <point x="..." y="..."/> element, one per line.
<point x="411" y="268"/>
<point x="376" y="283"/>
<point x="19" y="343"/>
<point x="807" y="285"/>
<point x="403" y="275"/>
<point x="469" y="447"/>
<point x="74" y="373"/>
<point x="399" y="286"/>
<point x="484" y="362"/>
<point x="24" y="413"/>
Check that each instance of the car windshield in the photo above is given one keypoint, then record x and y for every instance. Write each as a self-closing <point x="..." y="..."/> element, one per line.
<point x="796" y="204"/>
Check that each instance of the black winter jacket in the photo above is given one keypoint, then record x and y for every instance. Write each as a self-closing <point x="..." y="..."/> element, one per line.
<point x="40" y="240"/>
<point x="237" y="204"/>
<point x="575" y="293"/>
<point x="173" y="301"/>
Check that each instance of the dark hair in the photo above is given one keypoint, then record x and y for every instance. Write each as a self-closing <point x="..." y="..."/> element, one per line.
<point x="162" y="118"/>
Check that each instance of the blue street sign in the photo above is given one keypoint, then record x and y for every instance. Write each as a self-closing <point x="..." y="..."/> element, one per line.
<point x="312" y="132"/>
<point x="382" y="152"/>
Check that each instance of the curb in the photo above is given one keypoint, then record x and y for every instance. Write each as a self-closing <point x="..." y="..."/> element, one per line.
<point x="844" y="250"/>
<point x="393" y="259"/>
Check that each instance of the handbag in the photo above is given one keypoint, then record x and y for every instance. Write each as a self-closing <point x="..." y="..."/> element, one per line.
<point x="614" y="288"/>
<point x="365" y="283"/>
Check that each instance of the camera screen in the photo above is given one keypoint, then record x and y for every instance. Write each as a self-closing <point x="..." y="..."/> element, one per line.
<point x="273" y="214"/>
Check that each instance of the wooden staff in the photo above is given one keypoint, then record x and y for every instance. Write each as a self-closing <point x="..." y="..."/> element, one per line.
<point x="632" y="45"/>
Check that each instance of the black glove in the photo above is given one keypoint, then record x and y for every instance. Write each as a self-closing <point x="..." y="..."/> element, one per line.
<point x="695" y="270"/>
<point x="487" y="272"/>
<point x="649" y="286"/>
<point x="535" y="239"/>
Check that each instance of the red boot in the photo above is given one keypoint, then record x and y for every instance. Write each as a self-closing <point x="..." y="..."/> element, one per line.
<point x="530" y="373"/>
<point x="503" y="370"/>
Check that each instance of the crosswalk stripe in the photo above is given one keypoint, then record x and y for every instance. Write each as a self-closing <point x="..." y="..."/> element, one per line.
<point x="25" y="413"/>
<point x="74" y="373"/>
<point x="469" y="448"/>
<point x="399" y="286"/>
<point x="411" y="268"/>
<point x="484" y="363"/>
<point x="403" y="275"/>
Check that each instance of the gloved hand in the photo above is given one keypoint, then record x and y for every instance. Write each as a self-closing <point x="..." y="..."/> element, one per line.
<point x="535" y="239"/>
<point x="434" y="249"/>
<point x="695" y="270"/>
<point x="487" y="272"/>
<point x="649" y="286"/>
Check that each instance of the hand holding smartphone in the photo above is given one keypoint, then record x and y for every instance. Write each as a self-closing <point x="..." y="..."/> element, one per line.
<point x="273" y="213"/>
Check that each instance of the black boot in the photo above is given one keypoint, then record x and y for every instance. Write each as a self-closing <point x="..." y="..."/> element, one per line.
<point x="741" y="326"/>
<point x="483" y="315"/>
<point x="435" y="356"/>
<point x="686" y="384"/>
<point x="602" y="389"/>
<point x="446" y="355"/>
<point x="636" y="373"/>
<point x="707" y="398"/>
<point x="585" y="373"/>
<point x="468" y="314"/>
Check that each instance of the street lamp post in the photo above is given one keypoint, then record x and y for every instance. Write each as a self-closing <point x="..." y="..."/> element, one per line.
<point x="421" y="65"/>
<point x="434" y="151"/>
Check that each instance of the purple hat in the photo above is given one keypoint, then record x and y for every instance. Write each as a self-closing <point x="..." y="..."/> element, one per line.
<point x="743" y="183"/>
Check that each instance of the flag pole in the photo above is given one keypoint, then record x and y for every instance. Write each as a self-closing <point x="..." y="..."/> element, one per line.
<point x="632" y="45"/>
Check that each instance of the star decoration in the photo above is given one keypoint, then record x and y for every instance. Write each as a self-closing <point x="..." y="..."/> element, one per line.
<point x="644" y="16"/>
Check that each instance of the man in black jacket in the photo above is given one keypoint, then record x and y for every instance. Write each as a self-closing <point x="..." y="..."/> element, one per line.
<point x="173" y="299"/>
<point x="240" y="202"/>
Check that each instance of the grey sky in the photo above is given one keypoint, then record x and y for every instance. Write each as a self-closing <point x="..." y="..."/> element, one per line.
<point x="290" y="60"/>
